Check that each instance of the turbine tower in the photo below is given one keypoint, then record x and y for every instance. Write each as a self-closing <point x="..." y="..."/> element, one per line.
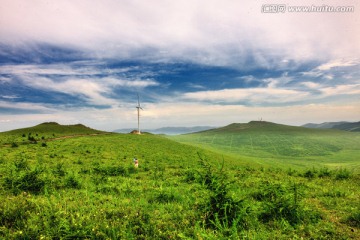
<point x="138" y="107"/>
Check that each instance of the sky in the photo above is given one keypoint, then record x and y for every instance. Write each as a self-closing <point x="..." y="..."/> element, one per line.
<point x="192" y="62"/>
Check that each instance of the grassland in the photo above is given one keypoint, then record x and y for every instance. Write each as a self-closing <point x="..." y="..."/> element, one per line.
<point x="86" y="187"/>
<point x="270" y="144"/>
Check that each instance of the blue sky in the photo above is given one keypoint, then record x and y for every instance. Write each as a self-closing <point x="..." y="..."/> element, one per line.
<point x="191" y="62"/>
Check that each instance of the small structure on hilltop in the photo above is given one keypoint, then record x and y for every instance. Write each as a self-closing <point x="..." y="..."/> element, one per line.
<point x="134" y="132"/>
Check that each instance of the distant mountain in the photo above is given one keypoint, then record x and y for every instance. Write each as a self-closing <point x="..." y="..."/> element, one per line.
<point x="352" y="127"/>
<point x="323" y="125"/>
<point x="168" y="130"/>
<point x="346" y="126"/>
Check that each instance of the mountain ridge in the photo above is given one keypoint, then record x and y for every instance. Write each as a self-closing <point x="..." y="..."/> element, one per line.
<point x="341" y="125"/>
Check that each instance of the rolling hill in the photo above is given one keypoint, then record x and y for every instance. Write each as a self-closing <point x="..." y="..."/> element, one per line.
<point x="88" y="187"/>
<point x="273" y="143"/>
<point x="45" y="131"/>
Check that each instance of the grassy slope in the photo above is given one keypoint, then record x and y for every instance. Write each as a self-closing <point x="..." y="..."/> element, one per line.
<point x="284" y="146"/>
<point x="45" y="131"/>
<point x="88" y="188"/>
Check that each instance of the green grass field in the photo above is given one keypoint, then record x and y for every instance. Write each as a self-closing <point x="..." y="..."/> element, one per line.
<point x="283" y="146"/>
<point x="86" y="187"/>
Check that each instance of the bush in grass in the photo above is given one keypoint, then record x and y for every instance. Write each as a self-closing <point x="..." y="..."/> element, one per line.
<point x="221" y="211"/>
<point x="284" y="203"/>
<point x="354" y="219"/>
<point x="59" y="170"/>
<point x="291" y="172"/>
<point x="190" y="175"/>
<point x="342" y="174"/>
<point x="140" y="225"/>
<point x="21" y="164"/>
<point x="15" y="211"/>
<point x="111" y="171"/>
<point x="28" y="181"/>
<point x="324" y="172"/>
<point x="311" y="173"/>
<point x="165" y="197"/>
<point x="72" y="182"/>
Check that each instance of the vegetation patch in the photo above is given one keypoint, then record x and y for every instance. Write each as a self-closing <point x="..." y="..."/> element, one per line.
<point x="88" y="188"/>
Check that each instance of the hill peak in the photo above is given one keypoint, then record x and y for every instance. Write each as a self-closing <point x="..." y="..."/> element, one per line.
<point x="49" y="123"/>
<point x="254" y="126"/>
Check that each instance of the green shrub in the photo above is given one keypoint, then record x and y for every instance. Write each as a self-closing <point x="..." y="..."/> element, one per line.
<point x="72" y="182"/>
<point x="354" y="219"/>
<point x="111" y="170"/>
<point x="29" y="181"/>
<point x="14" y="212"/>
<point x="221" y="211"/>
<point x="284" y="203"/>
<point x="140" y="225"/>
<point x="324" y="172"/>
<point x="342" y="174"/>
<point x="59" y="170"/>
<point x="21" y="164"/>
<point x="310" y="174"/>
<point x="190" y="175"/>
<point x="164" y="197"/>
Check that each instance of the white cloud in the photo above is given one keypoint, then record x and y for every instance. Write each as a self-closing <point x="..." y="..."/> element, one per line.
<point x="25" y="106"/>
<point x="196" y="86"/>
<point x="4" y="79"/>
<point x="311" y="85"/>
<point x="49" y="69"/>
<point x="81" y="81"/>
<point x="234" y="34"/>
<point x="136" y="83"/>
<point x="338" y="63"/>
<point x="248" y="95"/>
<point x="203" y="31"/>
<point x="9" y="96"/>
<point x="350" y="89"/>
<point x="94" y="90"/>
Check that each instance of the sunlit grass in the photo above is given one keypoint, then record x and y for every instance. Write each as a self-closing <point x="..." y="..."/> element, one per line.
<point x="87" y="187"/>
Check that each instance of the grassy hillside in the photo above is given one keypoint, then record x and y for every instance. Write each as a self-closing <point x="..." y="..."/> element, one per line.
<point x="88" y="188"/>
<point x="43" y="132"/>
<point x="286" y="146"/>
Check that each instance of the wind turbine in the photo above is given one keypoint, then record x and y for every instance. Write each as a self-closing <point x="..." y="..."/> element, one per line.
<point x="138" y="107"/>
